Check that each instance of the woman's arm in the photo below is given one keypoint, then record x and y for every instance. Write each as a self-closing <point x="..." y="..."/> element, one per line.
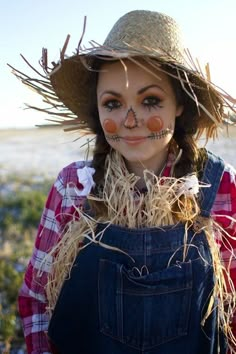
<point x="58" y="211"/>
<point x="224" y="212"/>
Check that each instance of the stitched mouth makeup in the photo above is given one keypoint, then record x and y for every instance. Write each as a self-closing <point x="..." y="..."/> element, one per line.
<point x="162" y="134"/>
<point x="135" y="140"/>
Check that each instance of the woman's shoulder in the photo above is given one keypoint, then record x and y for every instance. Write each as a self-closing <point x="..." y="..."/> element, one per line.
<point x="225" y="200"/>
<point x="221" y="176"/>
<point x="76" y="178"/>
<point x="70" y="172"/>
<point x="228" y="169"/>
<point x="228" y="180"/>
<point x="224" y="208"/>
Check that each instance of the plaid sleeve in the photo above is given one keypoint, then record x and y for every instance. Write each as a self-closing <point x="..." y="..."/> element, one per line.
<point x="59" y="209"/>
<point x="224" y="212"/>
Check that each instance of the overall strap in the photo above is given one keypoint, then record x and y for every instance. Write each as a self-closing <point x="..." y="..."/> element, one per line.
<point x="212" y="174"/>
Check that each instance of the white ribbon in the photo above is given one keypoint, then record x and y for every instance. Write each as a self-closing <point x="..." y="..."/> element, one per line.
<point x="85" y="176"/>
<point x="190" y="186"/>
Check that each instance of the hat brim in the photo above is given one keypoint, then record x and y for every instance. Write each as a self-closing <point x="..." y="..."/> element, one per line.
<point x="73" y="79"/>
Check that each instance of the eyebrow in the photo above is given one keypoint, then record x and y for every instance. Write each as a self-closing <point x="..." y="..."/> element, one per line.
<point x="143" y="89"/>
<point x="110" y="92"/>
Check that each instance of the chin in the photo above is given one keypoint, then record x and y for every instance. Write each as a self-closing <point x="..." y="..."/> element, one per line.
<point x="136" y="159"/>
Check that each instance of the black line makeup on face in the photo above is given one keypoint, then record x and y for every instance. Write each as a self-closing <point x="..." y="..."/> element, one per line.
<point x="153" y="136"/>
<point x="115" y="138"/>
<point x="113" y="100"/>
<point x="137" y="111"/>
<point x="161" y="134"/>
<point x="131" y="120"/>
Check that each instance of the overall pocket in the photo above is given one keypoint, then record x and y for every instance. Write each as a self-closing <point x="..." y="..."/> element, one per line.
<point x="144" y="311"/>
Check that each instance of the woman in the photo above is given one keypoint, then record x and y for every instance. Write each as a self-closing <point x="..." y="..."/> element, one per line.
<point x="135" y="250"/>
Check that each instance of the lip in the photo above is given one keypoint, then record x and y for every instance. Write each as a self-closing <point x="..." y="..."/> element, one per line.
<point x="134" y="140"/>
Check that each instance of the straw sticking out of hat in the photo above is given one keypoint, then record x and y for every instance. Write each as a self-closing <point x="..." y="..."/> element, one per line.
<point x="67" y="87"/>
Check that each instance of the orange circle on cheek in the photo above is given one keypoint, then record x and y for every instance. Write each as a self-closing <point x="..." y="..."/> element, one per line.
<point x="155" y="124"/>
<point x="110" y="126"/>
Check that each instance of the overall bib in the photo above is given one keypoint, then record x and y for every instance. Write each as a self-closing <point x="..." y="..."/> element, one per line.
<point x="146" y="299"/>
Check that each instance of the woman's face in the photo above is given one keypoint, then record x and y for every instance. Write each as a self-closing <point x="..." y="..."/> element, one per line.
<point x="137" y="112"/>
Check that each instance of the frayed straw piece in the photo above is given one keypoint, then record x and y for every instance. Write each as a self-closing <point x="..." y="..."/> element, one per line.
<point x="208" y="74"/>
<point x="44" y="88"/>
<point x="47" y="111"/>
<point x="198" y="104"/>
<point x="62" y="53"/>
<point x="228" y="100"/>
<point x="82" y="36"/>
<point x="27" y="62"/>
<point x="44" y="59"/>
<point x="190" y="60"/>
<point x="223" y="295"/>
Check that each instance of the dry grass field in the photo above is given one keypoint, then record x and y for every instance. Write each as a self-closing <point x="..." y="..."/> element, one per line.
<point x="40" y="151"/>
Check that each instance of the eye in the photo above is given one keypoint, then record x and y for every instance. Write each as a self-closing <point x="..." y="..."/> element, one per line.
<point x="110" y="105"/>
<point x="151" y="102"/>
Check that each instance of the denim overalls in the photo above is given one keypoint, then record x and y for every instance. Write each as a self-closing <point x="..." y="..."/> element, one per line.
<point x="145" y="300"/>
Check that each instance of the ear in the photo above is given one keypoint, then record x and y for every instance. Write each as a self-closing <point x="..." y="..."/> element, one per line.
<point x="179" y="110"/>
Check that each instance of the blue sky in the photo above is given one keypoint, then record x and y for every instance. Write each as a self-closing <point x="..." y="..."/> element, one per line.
<point x="28" y="25"/>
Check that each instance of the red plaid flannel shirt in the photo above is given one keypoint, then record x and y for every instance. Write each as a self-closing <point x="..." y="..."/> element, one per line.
<point x="58" y="211"/>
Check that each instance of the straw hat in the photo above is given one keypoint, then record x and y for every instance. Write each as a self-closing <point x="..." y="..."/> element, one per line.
<point x="67" y="86"/>
<point x="138" y="33"/>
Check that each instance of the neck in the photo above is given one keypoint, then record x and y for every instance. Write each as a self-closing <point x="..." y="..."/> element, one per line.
<point x="137" y="167"/>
